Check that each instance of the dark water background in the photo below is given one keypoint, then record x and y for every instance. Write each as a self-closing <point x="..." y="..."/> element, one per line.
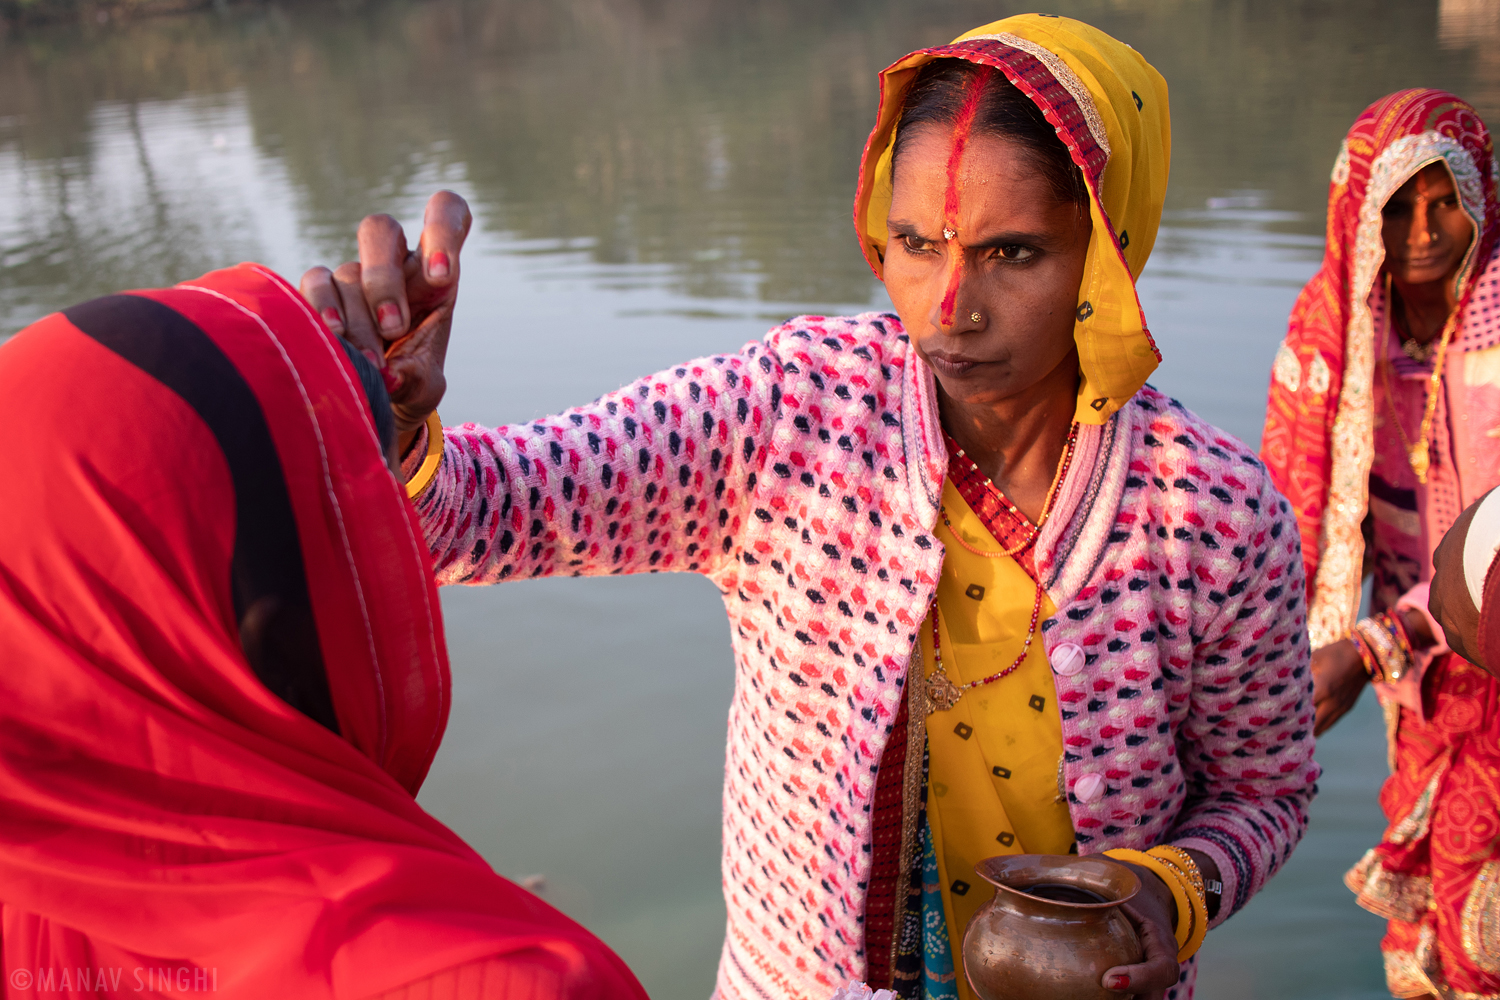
<point x="655" y="180"/>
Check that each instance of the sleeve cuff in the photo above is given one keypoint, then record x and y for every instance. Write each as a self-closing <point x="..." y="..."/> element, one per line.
<point x="1229" y="875"/>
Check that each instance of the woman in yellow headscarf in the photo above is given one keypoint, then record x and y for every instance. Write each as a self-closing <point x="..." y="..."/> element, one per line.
<point x="990" y="594"/>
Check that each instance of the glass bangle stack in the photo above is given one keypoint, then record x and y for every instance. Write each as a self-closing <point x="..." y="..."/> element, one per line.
<point x="1383" y="645"/>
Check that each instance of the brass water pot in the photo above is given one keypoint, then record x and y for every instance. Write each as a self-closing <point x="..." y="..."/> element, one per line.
<point x="1052" y="930"/>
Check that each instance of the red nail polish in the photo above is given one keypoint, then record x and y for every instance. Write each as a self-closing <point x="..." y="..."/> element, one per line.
<point x="389" y="315"/>
<point x="437" y="265"/>
<point x="332" y="318"/>
<point x="374" y="359"/>
<point x="1119" y="982"/>
<point x="392" y="380"/>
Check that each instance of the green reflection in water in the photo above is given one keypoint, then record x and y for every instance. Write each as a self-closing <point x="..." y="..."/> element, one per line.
<point x="656" y="179"/>
<point x="717" y="137"/>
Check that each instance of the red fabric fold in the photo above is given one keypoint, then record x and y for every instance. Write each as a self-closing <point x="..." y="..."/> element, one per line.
<point x="160" y="808"/>
<point x="1298" y="442"/>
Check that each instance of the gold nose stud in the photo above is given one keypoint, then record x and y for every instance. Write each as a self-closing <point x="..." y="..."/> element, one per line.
<point x="974" y="317"/>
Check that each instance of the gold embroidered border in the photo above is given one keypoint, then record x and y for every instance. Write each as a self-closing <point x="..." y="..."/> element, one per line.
<point x="1389" y="894"/>
<point x="1063" y="74"/>
<point x="1335" y="602"/>
<point x="1391" y="710"/>
<point x="1480" y="927"/>
<point x="1432" y="965"/>
<point x="1404" y="976"/>
<point x="911" y="786"/>
<point x="1414" y="825"/>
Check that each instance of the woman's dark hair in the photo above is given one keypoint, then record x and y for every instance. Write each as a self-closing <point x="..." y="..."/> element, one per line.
<point x="380" y="400"/>
<point x="937" y="96"/>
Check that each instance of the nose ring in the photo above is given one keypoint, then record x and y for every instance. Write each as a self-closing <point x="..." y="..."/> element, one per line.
<point x="974" y="316"/>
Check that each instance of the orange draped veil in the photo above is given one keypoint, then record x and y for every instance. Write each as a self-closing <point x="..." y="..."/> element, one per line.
<point x="1319" y="438"/>
<point x="164" y="817"/>
<point x="1109" y="107"/>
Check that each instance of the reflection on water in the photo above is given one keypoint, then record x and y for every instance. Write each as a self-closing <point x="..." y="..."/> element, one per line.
<point x="655" y="180"/>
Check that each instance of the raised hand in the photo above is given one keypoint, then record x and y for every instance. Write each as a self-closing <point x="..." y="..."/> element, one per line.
<point x="396" y="304"/>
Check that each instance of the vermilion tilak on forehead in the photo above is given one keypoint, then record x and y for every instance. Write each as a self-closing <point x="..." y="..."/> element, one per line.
<point x="962" y="127"/>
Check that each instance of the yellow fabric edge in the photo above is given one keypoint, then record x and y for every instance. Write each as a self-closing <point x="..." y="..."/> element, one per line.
<point x="430" y="462"/>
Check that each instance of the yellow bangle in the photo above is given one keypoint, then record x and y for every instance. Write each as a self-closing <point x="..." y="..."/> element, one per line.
<point x="1174" y="855"/>
<point x="430" y="462"/>
<point x="1180" y="894"/>
<point x="1186" y="869"/>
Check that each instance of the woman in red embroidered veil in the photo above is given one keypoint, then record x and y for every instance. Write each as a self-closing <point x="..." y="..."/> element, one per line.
<point x="224" y="676"/>
<point x="1383" y="425"/>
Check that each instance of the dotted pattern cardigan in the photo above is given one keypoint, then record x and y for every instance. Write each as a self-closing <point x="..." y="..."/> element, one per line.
<point x="802" y="476"/>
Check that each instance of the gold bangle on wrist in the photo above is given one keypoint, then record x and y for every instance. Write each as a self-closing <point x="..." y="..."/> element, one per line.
<point x="1182" y="859"/>
<point x="430" y="462"/>
<point x="1177" y="885"/>
<point x="1182" y="865"/>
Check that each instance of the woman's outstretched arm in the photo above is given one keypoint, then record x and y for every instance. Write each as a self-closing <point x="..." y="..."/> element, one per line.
<point x="653" y="477"/>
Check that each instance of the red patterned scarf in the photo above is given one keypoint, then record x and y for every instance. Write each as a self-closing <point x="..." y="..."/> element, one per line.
<point x="1319" y="434"/>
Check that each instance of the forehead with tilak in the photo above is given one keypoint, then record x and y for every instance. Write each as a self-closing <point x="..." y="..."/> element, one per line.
<point x="994" y="190"/>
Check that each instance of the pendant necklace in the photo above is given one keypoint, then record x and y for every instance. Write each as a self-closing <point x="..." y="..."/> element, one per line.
<point x="1417" y="453"/>
<point x="942" y="692"/>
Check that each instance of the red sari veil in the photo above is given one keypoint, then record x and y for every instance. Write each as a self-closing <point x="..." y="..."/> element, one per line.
<point x="1319" y="435"/>
<point x="166" y="819"/>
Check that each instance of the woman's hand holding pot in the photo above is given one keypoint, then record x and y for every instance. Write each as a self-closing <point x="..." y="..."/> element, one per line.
<point x="1153" y="911"/>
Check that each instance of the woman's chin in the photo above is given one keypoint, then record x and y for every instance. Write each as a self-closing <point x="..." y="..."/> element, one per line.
<point x="1424" y="275"/>
<point x="979" y="386"/>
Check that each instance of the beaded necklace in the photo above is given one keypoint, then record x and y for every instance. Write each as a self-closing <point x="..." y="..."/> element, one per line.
<point x="942" y="693"/>
<point x="1418" y="454"/>
<point x="1033" y="530"/>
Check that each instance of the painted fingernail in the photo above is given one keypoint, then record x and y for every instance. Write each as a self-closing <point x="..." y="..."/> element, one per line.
<point x="437" y="265"/>
<point x="373" y="357"/>
<point x="392" y="380"/>
<point x="1118" y="982"/>
<point x="389" y="315"/>
<point x="332" y="318"/>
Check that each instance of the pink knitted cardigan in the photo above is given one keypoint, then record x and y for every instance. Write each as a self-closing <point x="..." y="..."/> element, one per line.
<point x="802" y="476"/>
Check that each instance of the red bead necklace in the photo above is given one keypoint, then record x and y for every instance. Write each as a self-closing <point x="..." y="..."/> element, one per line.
<point x="942" y="693"/>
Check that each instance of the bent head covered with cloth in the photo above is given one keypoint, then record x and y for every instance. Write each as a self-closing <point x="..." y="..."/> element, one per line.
<point x="1383" y="424"/>
<point x="224" y="676"/>
<point x="989" y="594"/>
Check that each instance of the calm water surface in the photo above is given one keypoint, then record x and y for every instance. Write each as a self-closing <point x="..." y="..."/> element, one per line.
<point x="654" y="180"/>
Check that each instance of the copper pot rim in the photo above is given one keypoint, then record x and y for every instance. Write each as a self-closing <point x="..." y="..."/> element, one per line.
<point x="1060" y="863"/>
